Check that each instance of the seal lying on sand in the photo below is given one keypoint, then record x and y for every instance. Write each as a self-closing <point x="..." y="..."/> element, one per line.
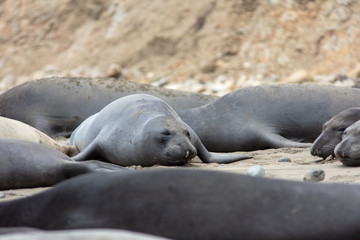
<point x="348" y="150"/>
<point x="332" y="132"/>
<point x="56" y="106"/>
<point x="88" y="234"/>
<point x="193" y="204"/>
<point x="268" y="116"/>
<point x="26" y="164"/>
<point x="141" y="129"/>
<point x="10" y="128"/>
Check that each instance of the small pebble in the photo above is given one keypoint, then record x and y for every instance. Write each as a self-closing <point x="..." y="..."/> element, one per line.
<point x="284" y="160"/>
<point x="256" y="171"/>
<point x="314" y="175"/>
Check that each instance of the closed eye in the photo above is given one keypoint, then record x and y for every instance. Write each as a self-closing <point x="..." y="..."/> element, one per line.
<point x="341" y="129"/>
<point x="187" y="134"/>
<point x="166" y="132"/>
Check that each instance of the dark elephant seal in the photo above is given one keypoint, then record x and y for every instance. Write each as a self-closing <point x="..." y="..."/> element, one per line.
<point x="141" y="129"/>
<point x="10" y="128"/>
<point x="193" y="204"/>
<point x="26" y="164"/>
<point x="348" y="150"/>
<point x="332" y="132"/>
<point x="268" y="116"/>
<point x="56" y="106"/>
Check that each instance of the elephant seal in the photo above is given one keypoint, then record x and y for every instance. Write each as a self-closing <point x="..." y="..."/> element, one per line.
<point x="141" y="129"/>
<point x="332" y="132"/>
<point x="193" y="204"/>
<point x="56" y="106"/>
<point x="76" y="234"/>
<point x="348" y="150"/>
<point x="268" y="116"/>
<point x="27" y="164"/>
<point x="10" y="128"/>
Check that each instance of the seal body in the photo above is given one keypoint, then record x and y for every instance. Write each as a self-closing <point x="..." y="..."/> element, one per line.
<point x="193" y="204"/>
<point x="332" y="132"/>
<point x="268" y="116"/>
<point x="76" y="234"/>
<point x="141" y="129"/>
<point x="27" y="164"/>
<point x="10" y="128"/>
<point x="56" y="106"/>
<point x="348" y="150"/>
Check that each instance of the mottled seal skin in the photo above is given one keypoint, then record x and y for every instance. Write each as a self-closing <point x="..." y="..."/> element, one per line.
<point x="27" y="164"/>
<point x="268" y="116"/>
<point x="332" y="132"/>
<point x="56" y="106"/>
<point x="193" y="204"/>
<point x="348" y="150"/>
<point x="141" y="129"/>
<point x="10" y="128"/>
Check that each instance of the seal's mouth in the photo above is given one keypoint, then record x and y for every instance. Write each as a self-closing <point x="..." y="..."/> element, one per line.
<point x="323" y="151"/>
<point x="178" y="162"/>
<point x="349" y="161"/>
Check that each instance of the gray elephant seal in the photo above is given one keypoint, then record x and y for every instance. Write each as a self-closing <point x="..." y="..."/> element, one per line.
<point x="348" y="150"/>
<point x="268" y="116"/>
<point x="76" y="234"/>
<point x="193" y="204"/>
<point x="332" y="132"/>
<point x="56" y="106"/>
<point x="26" y="164"/>
<point x="141" y="129"/>
<point x="10" y="128"/>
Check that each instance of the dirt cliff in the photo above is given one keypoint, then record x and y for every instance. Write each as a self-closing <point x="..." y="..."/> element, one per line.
<point x="211" y="46"/>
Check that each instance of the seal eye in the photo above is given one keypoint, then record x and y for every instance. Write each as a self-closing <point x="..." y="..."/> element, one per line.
<point x="165" y="135"/>
<point x="187" y="134"/>
<point x="166" y="132"/>
<point x="341" y="129"/>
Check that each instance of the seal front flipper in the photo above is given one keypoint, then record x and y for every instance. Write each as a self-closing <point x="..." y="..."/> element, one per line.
<point x="90" y="152"/>
<point x="211" y="157"/>
<point x="90" y="166"/>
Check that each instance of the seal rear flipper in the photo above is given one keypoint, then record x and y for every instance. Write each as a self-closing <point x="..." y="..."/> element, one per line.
<point x="224" y="158"/>
<point x="211" y="157"/>
<point x="273" y="140"/>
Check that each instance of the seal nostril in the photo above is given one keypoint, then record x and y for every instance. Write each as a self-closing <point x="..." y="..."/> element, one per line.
<point x="187" y="154"/>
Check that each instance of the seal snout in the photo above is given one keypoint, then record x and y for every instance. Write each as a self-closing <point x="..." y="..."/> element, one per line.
<point x="190" y="153"/>
<point x="347" y="153"/>
<point x="320" y="152"/>
<point x="181" y="152"/>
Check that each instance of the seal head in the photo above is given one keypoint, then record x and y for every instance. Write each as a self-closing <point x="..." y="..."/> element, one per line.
<point x="332" y="132"/>
<point x="168" y="141"/>
<point x="348" y="150"/>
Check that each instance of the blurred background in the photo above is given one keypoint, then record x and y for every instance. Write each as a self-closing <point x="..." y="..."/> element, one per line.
<point x="204" y="46"/>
